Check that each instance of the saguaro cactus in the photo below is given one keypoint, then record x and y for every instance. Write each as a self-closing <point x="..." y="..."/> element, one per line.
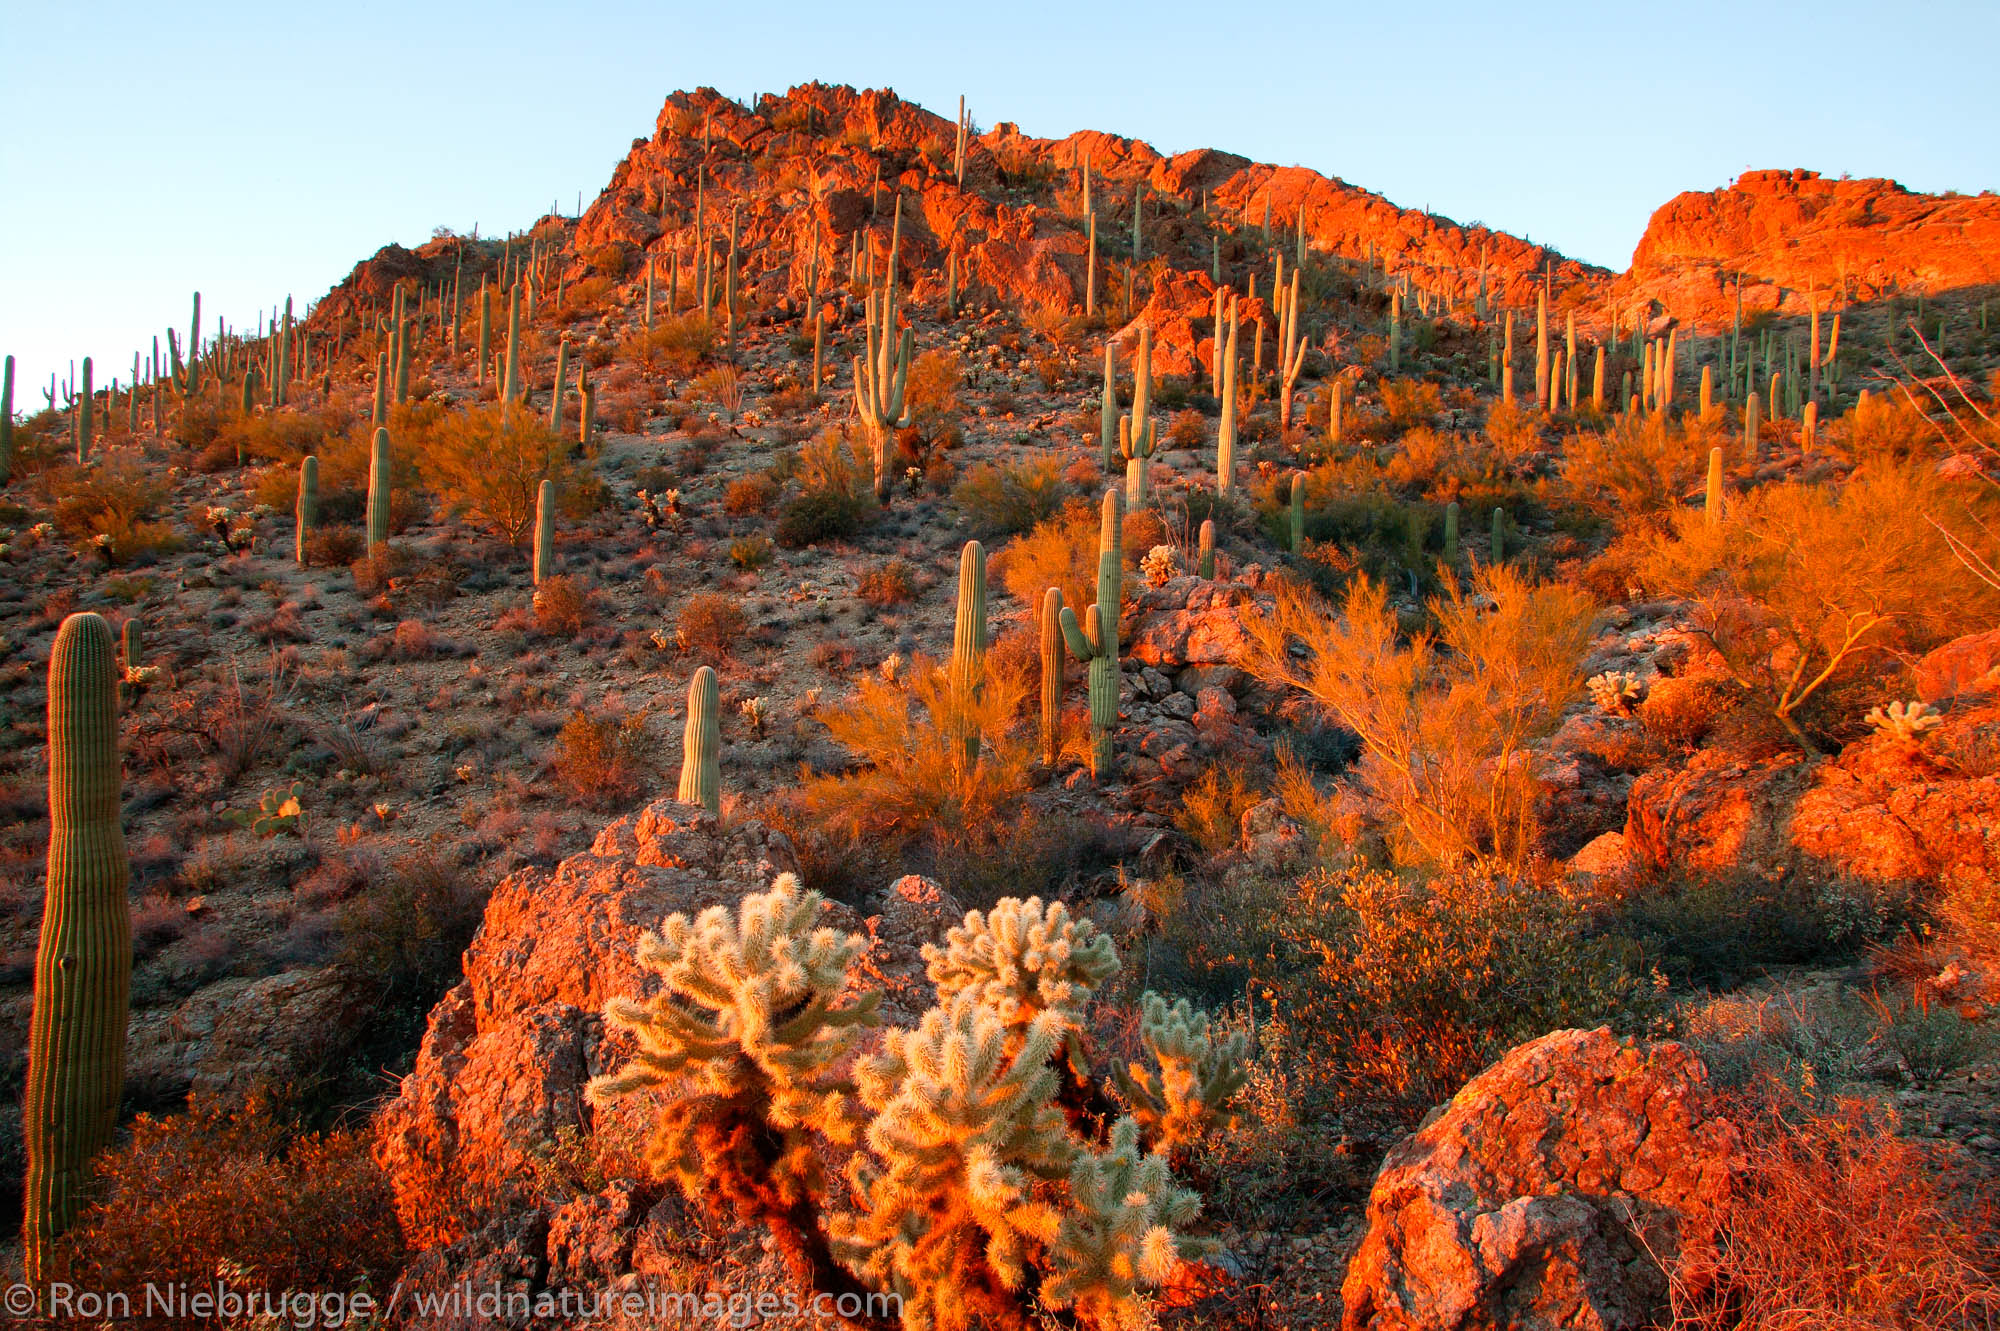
<point x="881" y="377"/>
<point x="1107" y="414"/>
<point x="1499" y="539"/>
<point x="545" y="530"/>
<point x="701" y="744"/>
<point x="83" y="965"/>
<point x="7" y="421"/>
<point x="1052" y="673"/>
<point x="1205" y="550"/>
<point x="556" y="393"/>
<point x="1137" y="445"/>
<point x="1451" y="533"/>
<point x="1096" y="640"/>
<point x="1712" y="500"/>
<point x="83" y="416"/>
<point x="378" y="490"/>
<point x="1225" y="435"/>
<point x="306" y="511"/>
<point x="968" y="641"/>
<point x="511" y="379"/>
<point x="129" y="637"/>
<point x="1298" y="512"/>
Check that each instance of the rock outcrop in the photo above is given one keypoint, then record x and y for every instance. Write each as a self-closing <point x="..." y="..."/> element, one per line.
<point x="1544" y="1195"/>
<point x="1788" y="234"/>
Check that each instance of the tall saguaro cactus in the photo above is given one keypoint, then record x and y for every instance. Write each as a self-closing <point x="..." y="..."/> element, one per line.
<point x="83" y="416"/>
<point x="378" y="490"/>
<point x="1052" y="673"/>
<point x="1095" y="641"/>
<point x="1137" y="445"/>
<point x="701" y="744"/>
<point x="1107" y="414"/>
<point x="7" y="421"/>
<point x="1298" y="512"/>
<point x="83" y="965"/>
<point x="307" y="509"/>
<point x="545" y="530"/>
<point x="881" y="377"/>
<point x="968" y="642"/>
<point x="511" y="380"/>
<point x="1225" y="434"/>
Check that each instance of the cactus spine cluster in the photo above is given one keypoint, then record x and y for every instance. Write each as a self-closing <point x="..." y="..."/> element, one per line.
<point x="968" y="643"/>
<point x="378" y="490"/>
<point x="1095" y="640"/>
<point x="701" y="744"/>
<point x="306" y="510"/>
<point x="83" y="964"/>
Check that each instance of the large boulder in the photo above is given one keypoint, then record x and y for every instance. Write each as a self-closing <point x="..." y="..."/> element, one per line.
<point x="1545" y="1194"/>
<point x="1725" y="812"/>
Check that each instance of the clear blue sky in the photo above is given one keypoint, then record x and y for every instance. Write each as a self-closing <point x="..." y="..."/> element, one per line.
<point x="252" y="151"/>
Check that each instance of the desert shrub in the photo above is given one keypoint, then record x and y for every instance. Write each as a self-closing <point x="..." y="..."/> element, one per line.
<point x="562" y="606"/>
<point x="932" y="395"/>
<point x="333" y="547"/>
<point x="1189" y="429"/>
<point x="823" y="515"/>
<point x="722" y="386"/>
<point x="749" y="495"/>
<point x="1803" y="584"/>
<point x="1212" y="809"/>
<point x="229" y="1184"/>
<point x="1640" y="467"/>
<point x="1684" y="711"/>
<point x="888" y="584"/>
<point x="1421" y="456"/>
<point x="1393" y="991"/>
<point x="1444" y="722"/>
<point x="110" y="506"/>
<point x="1836" y="1220"/>
<point x="488" y="463"/>
<point x="1004" y="499"/>
<point x="1061" y="551"/>
<point x="1511" y="431"/>
<point x="1721" y="930"/>
<point x="710" y="626"/>
<point x="1411" y="402"/>
<point x="676" y="345"/>
<point x="276" y="436"/>
<point x="915" y="779"/>
<point x="599" y="760"/>
<point x="1885" y="428"/>
<point x="751" y="552"/>
<point x="401" y="945"/>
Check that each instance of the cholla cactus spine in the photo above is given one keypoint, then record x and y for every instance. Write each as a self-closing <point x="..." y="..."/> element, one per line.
<point x="1614" y="691"/>
<point x="1905" y="721"/>
<point x="1021" y="960"/>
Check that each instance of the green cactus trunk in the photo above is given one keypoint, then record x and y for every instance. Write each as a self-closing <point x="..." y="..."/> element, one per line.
<point x="545" y="530"/>
<point x="406" y="350"/>
<point x="7" y="421"/>
<point x="378" y="490"/>
<point x="1205" y="549"/>
<point x="83" y="416"/>
<point x="485" y="329"/>
<point x="1712" y="500"/>
<point x="1107" y="416"/>
<point x="1499" y="538"/>
<point x="83" y="966"/>
<point x="968" y="644"/>
<point x="129" y="636"/>
<point x="556" y="393"/>
<point x="1052" y="674"/>
<point x="380" y="417"/>
<point x="511" y="379"/>
<point x="1225" y="434"/>
<point x="701" y="744"/>
<point x="306" y="510"/>
<point x="1298" y="512"/>
<point x="1752" y="411"/>
<point x="1451" y="533"/>
<point x="1096" y="641"/>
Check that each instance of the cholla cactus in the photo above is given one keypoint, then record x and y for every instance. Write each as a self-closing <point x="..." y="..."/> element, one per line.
<point x="1021" y="960"/>
<point x="755" y="710"/>
<point x="1159" y="567"/>
<point x="1192" y="1076"/>
<point x="1117" y="1233"/>
<point x="1614" y="691"/>
<point x="1906" y="721"/>
<point x="746" y="1028"/>
<point x="892" y="666"/>
<point x="966" y="1124"/>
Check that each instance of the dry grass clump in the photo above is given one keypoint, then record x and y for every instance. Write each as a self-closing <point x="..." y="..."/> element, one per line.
<point x="1445" y="720"/>
<point x="1838" y="1223"/>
